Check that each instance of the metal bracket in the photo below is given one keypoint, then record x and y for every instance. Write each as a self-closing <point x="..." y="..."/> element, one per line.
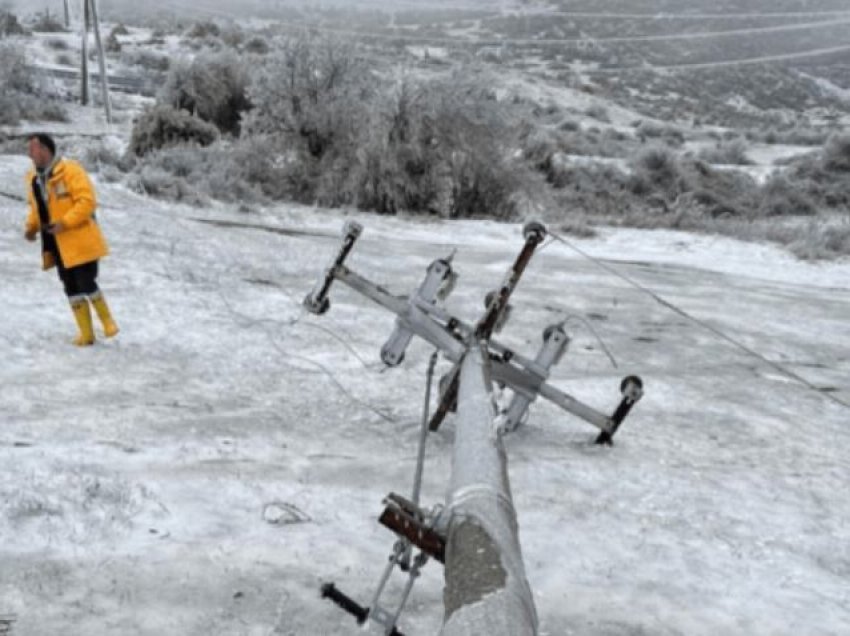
<point x="632" y="389"/>
<point x="317" y="301"/>
<point x="408" y="521"/>
<point x="555" y="342"/>
<point x="439" y="272"/>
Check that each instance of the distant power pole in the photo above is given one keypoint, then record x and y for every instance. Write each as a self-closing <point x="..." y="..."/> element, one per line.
<point x="67" y="15"/>
<point x="84" y="65"/>
<point x="101" y="62"/>
<point x="90" y="18"/>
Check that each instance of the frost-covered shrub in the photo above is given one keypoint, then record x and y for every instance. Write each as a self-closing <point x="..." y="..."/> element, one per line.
<point x="435" y="146"/>
<point x="257" y="45"/>
<point x="781" y="197"/>
<point x="100" y="156"/>
<point x="15" y="74"/>
<point x="162" y="126"/>
<point x="729" y="152"/>
<point x="9" y="24"/>
<point x="232" y="36"/>
<point x="316" y="95"/>
<point x="57" y="44"/>
<point x="23" y="92"/>
<point x="797" y="135"/>
<point x="671" y="135"/>
<point x="824" y="178"/>
<point x="46" y="22"/>
<point x="203" y="29"/>
<point x="112" y="44"/>
<point x="836" y="154"/>
<point x="148" y="60"/>
<point x="243" y="170"/>
<point x="676" y="183"/>
<point x="213" y="87"/>
<point x="654" y="169"/>
<point x="153" y="181"/>
<point x="598" y="112"/>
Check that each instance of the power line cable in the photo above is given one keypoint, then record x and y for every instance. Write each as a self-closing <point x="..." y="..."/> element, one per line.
<point x="172" y="218"/>
<point x="701" y="323"/>
<point x="683" y="16"/>
<point x="765" y="59"/>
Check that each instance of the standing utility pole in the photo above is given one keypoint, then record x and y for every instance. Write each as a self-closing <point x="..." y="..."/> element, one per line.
<point x="101" y="62"/>
<point x="67" y="15"/>
<point x="90" y="19"/>
<point x="84" y="66"/>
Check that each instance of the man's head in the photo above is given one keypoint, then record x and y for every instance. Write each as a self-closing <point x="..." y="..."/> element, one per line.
<point x="42" y="149"/>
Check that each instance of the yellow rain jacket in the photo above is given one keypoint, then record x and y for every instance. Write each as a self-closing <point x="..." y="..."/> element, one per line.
<point x="71" y="200"/>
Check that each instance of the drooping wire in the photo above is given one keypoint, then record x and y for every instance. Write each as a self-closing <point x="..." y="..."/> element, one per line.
<point x="701" y="323"/>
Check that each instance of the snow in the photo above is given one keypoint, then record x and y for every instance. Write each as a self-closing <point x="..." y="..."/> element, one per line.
<point x="202" y="473"/>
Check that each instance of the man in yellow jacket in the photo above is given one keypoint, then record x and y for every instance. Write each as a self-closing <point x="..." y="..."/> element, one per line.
<point x="61" y="208"/>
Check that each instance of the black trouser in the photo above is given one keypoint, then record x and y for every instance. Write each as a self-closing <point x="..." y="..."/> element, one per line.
<point x="80" y="280"/>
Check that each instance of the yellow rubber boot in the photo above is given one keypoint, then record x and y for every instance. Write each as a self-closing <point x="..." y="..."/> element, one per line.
<point x="102" y="309"/>
<point x="80" y="307"/>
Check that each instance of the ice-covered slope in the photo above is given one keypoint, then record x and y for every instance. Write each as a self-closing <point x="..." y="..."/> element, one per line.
<point x="139" y="479"/>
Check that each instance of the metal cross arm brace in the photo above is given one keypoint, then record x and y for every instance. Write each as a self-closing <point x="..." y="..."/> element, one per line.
<point x="345" y="602"/>
<point x="497" y="309"/>
<point x="377" y="613"/>
<point x="527" y="378"/>
<point x="421" y="315"/>
<point x="413" y="524"/>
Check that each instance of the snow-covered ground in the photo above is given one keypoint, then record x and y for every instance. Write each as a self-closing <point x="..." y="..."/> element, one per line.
<point x="205" y="471"/>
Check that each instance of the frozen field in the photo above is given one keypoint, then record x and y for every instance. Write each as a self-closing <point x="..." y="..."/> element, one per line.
<point x="141" y="479"/>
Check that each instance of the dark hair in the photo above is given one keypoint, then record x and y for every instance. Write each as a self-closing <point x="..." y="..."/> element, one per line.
<point x="45" y="140"/>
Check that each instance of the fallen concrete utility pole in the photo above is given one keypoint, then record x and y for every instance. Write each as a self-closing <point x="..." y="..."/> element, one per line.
<point x="486" y="588"/>
<point x="475" y="535"/>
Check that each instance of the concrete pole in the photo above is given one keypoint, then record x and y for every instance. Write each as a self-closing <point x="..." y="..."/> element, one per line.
<point x="67" y="15"/>
<point x="101" y="61"/>
<point x="84" y="65"/>
<point x="486" y="588"/>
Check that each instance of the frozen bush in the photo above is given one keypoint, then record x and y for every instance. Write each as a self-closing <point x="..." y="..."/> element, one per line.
<point x="202" y="30"/>
<point x="316" y="95"/>
<point x="836" y="154"/>
<point x="796" y="135"/>
<point x="23" y="92"/>
<point x="156" y="182"/>
<point x="654" y="169"/>
<point x="257" y="45"/>
<point x="112" y="44"/>
<point x="650" y="130"/>
<point x="729" y="152"/>
<point x="780" y="197"/>
<point x="163" y="126"/>
<point x="147" y="60"/>
<point x="100" y="157"/>
<point x="213" y="87"/>
<point x="598" y="112"/>
<point x="9" y="24"/>
<point x="46" y="22"/>
<point x="57" y="44"/>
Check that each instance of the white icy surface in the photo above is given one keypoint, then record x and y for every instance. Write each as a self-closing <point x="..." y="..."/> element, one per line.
<point x="202" y="473"/>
